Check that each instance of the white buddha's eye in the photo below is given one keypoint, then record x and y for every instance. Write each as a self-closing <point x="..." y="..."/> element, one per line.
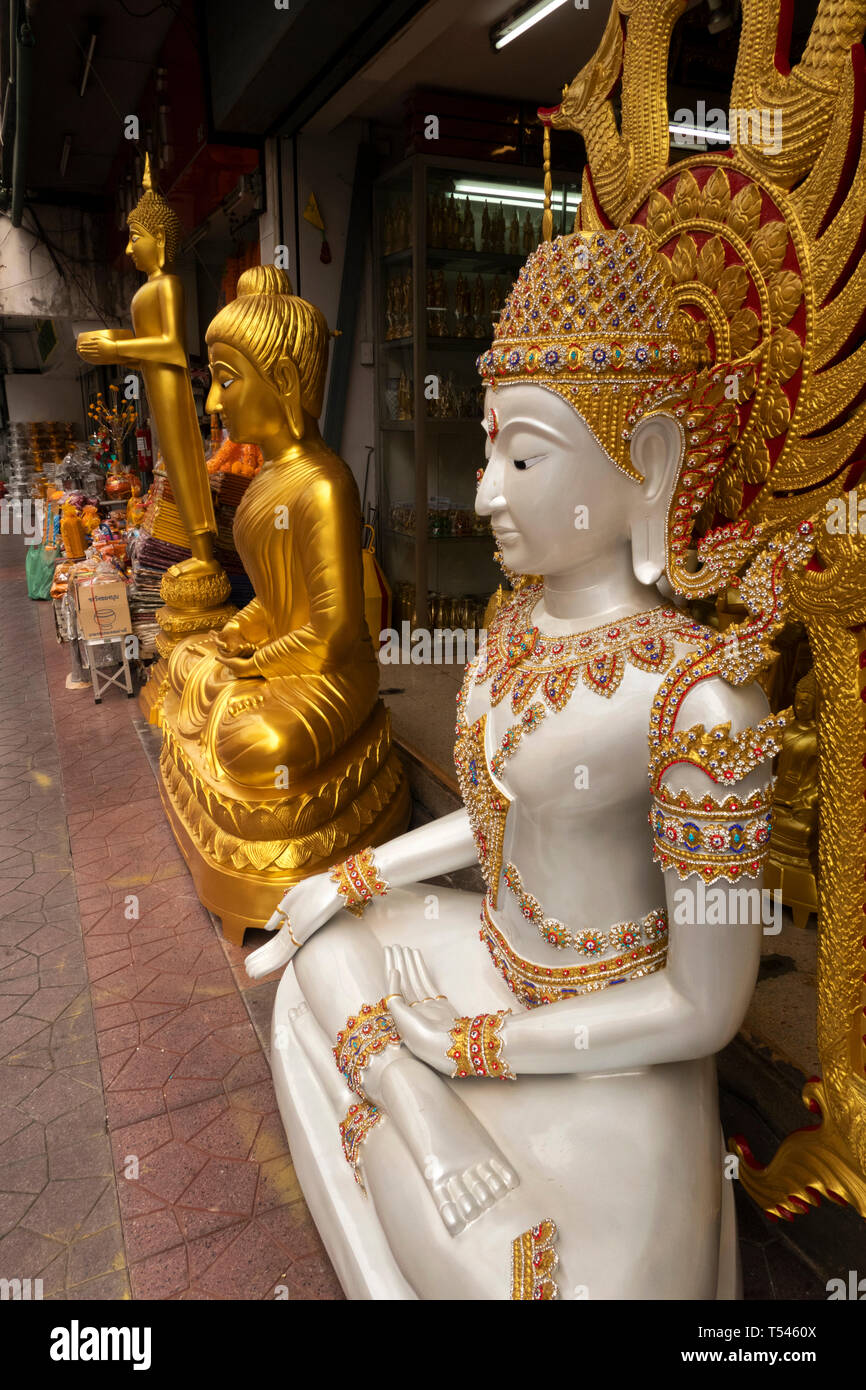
<point x="522" y="464"/>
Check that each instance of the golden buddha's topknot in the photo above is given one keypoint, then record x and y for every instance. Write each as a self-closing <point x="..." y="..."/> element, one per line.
<point x="155" y="215"/>
<point x="267" y="321"/>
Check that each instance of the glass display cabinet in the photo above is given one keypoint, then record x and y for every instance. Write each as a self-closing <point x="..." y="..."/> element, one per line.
<point x="449" y="240"/>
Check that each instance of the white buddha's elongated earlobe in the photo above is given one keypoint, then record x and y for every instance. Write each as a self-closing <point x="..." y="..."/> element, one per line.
<point x="656" y="450"/>
<point x="647" y="535"/>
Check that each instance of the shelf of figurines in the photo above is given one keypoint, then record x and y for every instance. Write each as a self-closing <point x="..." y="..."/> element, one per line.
<point x="469" y="426"/>
<point x="492" y="262"/>
<point x="465" y="611"/>
<point x="445" y="521"/>
<point x="485" y="535"/>
<point x="452" y="229"/>
<point x="468" y="340"/>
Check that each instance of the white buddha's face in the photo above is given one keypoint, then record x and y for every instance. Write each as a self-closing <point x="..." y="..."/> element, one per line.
<point x="556" y="502"/>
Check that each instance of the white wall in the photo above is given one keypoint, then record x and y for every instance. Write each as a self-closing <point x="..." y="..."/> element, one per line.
<point x="44" y="398"/>
<point x="30" y="284"/>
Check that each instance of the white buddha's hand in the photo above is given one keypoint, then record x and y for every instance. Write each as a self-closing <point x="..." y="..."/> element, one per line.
<point x="423" y="1016"/>
<point x="305" y="908"/>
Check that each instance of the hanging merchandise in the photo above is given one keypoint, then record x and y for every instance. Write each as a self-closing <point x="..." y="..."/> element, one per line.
<point x="377" y="590"/>
<point x="314" y="216"/>
<point x="144" y="446"/>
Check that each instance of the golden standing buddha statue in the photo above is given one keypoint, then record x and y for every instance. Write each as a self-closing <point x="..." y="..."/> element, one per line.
<point x="196" y="591"/>
<point x="277" y="758"/>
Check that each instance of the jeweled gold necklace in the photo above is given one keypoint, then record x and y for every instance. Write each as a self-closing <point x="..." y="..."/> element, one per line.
<point x="521" y="661"/>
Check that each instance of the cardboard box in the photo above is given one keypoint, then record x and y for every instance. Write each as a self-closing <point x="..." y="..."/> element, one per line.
<point x="102" y="606"/>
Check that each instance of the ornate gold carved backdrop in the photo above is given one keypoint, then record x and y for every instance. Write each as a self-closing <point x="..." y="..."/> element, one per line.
<point x="767" y="244"/>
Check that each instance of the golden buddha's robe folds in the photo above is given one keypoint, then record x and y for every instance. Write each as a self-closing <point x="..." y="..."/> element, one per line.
<point x="297" y="534"/>
<point x="269" y="777"/>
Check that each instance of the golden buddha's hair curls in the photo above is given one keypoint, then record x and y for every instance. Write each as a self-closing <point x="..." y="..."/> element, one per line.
<point x="267" y="322"/>
<point x="155" y="215"/>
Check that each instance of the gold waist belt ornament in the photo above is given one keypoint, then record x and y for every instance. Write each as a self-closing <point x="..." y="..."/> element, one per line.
<point x="546" y="984"/>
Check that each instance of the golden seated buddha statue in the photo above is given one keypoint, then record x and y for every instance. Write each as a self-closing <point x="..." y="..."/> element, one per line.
<point x="277" y="758"/>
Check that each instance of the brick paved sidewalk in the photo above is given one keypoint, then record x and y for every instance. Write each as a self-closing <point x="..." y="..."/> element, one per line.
<point x="141" y="1150"/>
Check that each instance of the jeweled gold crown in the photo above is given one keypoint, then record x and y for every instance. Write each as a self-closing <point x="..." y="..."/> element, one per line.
<point x="593" y="317"/>
<point x="593" y="306"/>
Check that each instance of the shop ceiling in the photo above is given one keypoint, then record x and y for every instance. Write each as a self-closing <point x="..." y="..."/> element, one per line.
<point x="312" y="65"/>
<point x="78" y="105"/>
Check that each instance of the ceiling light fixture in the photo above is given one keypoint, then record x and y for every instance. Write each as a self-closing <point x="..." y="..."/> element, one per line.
<point x="512" y="194"/>
<point x="88" y="63"/>
<point x="518" y="24"/>
<point x="64" y="155"/>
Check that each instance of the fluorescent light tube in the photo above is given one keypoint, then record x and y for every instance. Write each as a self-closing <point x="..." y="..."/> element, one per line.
<point x="513" y="28"/>
<point x="512" y="195"/>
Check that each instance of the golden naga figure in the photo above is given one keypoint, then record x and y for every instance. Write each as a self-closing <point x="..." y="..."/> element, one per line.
<point x="276" y="756"/>
<point x="196" y="591"/>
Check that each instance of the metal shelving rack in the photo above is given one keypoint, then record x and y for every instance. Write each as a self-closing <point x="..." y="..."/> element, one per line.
<point x="413" y="180"/>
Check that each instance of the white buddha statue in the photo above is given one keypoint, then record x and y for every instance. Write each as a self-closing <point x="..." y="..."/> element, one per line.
<point x="525" y="1086"/>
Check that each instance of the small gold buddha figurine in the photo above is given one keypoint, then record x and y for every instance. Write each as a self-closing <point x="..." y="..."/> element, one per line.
<point x="72" y="533"/>
<point x="514" y="235"/>
<point x="432" y="316"/>
<point x="276" y="754"/>
<point x="441" y="302"/>
<point x="462" y="309"/>
<point x="485" y="229"/>
<point x="792" y="864"/>
<point x="480" y="326"/>
<point x="404" y="398"/>
<point x="467" y="242"/>
<point x="499" y="231"/>
<point x="135" y="506"/>
<point x="529" y="239"/>
<point x="453" y="225"/>
<point x="406" y="289"/>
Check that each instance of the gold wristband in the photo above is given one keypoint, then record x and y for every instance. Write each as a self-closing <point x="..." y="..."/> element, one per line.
<point x="476" y="1047"/>
<point x="365" y="1035"/>
<point x="358" y="881"/>
<point x="285" y="925"/>
<point x="360" y="1120"/>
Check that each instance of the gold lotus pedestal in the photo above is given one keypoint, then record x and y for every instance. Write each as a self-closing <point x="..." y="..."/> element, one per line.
<point x="192" y="604"/>
<point x="245" y="850"/>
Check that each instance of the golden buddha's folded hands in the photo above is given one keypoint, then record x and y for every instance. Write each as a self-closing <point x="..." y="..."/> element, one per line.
<point x="235" y="650"/>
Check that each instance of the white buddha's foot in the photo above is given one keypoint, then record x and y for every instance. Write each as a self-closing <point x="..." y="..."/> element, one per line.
<point x="465" y="1172"/>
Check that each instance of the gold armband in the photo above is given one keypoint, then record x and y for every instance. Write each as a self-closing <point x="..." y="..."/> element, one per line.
<point x="727" y="839"/>
<point x="358" y="881"/>
<point x="365" y="1035"/>
<point x="533" y="1264"/>
<point x="361" y="1120"/>
<point x="476" y="1047"/>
